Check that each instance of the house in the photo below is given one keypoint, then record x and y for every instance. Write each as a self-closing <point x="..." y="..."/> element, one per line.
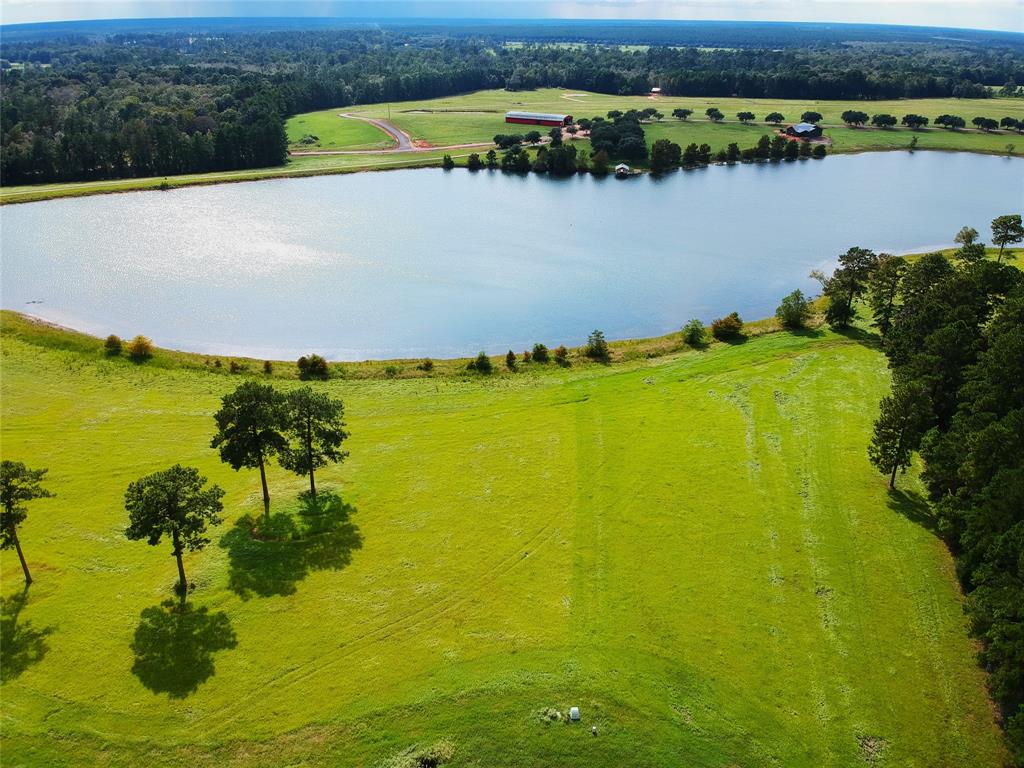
<point x="537" y="118"/>
<point x="622" y="170"/>
<point x="804" y="131"/>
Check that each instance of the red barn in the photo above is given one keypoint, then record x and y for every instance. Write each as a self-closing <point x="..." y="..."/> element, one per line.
<point x="537" y="118"/>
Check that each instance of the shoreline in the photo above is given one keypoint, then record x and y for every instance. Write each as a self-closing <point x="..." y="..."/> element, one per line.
<point x="21" y="195"/>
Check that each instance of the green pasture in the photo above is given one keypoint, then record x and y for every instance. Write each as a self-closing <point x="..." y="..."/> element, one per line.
<point x="335" y="132"/>
<point x="478" y="117"/>
<point x="693" y="549"/>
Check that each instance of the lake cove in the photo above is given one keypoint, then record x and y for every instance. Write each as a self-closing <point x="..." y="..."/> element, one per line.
<point x="416" y="263"/>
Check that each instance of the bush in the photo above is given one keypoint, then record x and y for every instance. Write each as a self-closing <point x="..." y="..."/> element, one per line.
<point x="728" y="327"/>
<point x="312" y="367"/>
<point x="562" y="356"/>
<point x="268" y="367"/>
<point x="140" y="348"/>
<point x="481" y="364"/>
<point x="793" y="311"/>
<point x="693" y="333"/>
<point x="819" y="151"/>
<point x="113" y="345"/>
<point x="527" y="355"/>
<point x="234" y="367"/>
<point x="447" y="163"/>
<point x="510" y="360"/>
<point x="391" y="371"/>
<point x="426" y="365"/>
<point x="540" y="353"/>
<point x="597" y="347"/>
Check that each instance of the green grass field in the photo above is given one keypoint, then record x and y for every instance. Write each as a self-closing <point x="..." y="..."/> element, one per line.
<point x="693" y="549"/>
<point x="478" y="117"/>
<point x="335" y="132"/>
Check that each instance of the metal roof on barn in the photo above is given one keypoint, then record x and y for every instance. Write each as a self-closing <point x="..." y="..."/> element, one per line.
<point x="804" y="127"/>
<point x="535" y="116"/>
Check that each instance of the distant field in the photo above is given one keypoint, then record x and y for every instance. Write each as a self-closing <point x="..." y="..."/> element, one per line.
<point x="484" y="117"/>
<point x="477" y="117"/>
<point x="335" y="132"/>
<point x="693" y="549"/>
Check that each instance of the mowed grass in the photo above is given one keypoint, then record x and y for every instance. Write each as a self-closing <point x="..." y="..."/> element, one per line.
<point x="479" y="116"/>
<point x="694" y="550"/>
<point x="335" y="132"/>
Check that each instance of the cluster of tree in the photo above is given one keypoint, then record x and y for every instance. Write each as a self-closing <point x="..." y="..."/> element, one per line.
<point x="174" y="101"/>
<point x="303" y="429"/>
<point x="667" y="155"/>
<point x="620" y="136"/>
<point x="954" y="336"/>
<point x="596" y="348"/>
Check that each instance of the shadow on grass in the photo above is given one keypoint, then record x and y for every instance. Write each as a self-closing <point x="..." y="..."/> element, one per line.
<point x="21" y="644"/>
<point x="915" y="508"/>
<point x="866" y="338"/>
<point x="174" y="646"/>
<point x="268" y="555"/>
<point x="807" y="333"/>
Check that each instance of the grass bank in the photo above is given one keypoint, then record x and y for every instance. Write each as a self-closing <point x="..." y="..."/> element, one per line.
<point x="693" y="549"/>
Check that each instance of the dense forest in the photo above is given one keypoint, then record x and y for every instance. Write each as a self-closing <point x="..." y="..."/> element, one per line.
<point x="141" y="103"/>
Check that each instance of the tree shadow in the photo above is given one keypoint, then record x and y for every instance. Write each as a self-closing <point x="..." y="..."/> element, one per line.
<point x="807" y="332"/>
<point x="21" y="644"/>
<point x="268" y="555"/>
<point x="174" y="646"/>
<point x="915" y="508"/>
<point x="866" y="338"/>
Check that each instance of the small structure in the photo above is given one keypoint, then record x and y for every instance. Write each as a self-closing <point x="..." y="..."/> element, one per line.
<point x="622" y="170"/>
<point x="655" y="91"/>
<point x="537" y="118"/>
<point x="804" y="131"/>
<point x="574" y="713"/>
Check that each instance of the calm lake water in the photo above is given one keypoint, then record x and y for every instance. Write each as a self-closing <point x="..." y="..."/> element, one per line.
<point x="423" y="262"/>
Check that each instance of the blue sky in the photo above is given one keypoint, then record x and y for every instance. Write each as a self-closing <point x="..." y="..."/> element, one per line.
<point x="979" y="14"/>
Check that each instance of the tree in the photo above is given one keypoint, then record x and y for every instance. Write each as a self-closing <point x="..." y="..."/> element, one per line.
<point x="540" y="353"/>
<point x="728" y="327"/>
<point x="966" y="236"/>
<point x="682" y="114"/>
<point x="690" y="156"/>
<point x="883" y="121"/>
<point x="884" y="288"/>
<point x="510" y="360"/>
<point x="745" y="117"/>
<point x="774" y="117"/>
<point x="555" y="134"/>
<point x="984" y="123"/>
<point x="693" y="333"/>
<point x="447" y="163"/>
<point x="492" y="159"/>
<point x="481" y="364"/>
<point x="614" y="113"/>
<point x="914" y="122"/>
<point x="811" y="117"/>
<point x="819" y="151"/>
<point x="249" y="425"/>
<point x="763" y="148"/>
<point x="714" y="114"/>
<point x="18" y="484"/>
<point x="854" y="117"/>
<point x="473" y="162"/>
<point x="140" y="349"/>
<point x="1010" y="122"/>
<point x="599" y="166"/>
<point x="793" y="311"/>
<point x="1007" y="230"/>
<point x="312" y="367"/>
<point x="777" y="148"/>
<point x="898" y="430"/>
<point x="950" y="121"/>
<point x="665" y="154"/>
<point x="314" y="426"/>
<point x="792" y="151"/>
<point x="532" y="136"/>
<point x="597" y="347"/>
<point x="805" y="148"/>
<point x="732" y="153"/>
<point x="113" y="345"/>
<point x="173" y="503"/>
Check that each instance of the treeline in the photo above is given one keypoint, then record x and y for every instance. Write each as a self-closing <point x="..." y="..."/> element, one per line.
<point x="161" y="103"/>
<point x="953" y="331"/>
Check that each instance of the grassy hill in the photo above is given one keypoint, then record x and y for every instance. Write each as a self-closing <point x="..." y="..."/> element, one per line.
<point x="693" y="549"/>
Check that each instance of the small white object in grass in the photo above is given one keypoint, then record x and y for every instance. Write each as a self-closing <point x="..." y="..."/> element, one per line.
<point x="593" y="729"/>
<point x="574" y="713"/>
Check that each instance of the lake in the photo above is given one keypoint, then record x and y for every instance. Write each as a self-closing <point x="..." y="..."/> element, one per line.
<point x="427" y="262"/>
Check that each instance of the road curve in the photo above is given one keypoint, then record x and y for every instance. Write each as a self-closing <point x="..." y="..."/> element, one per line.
<point x="403" y="139"/>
